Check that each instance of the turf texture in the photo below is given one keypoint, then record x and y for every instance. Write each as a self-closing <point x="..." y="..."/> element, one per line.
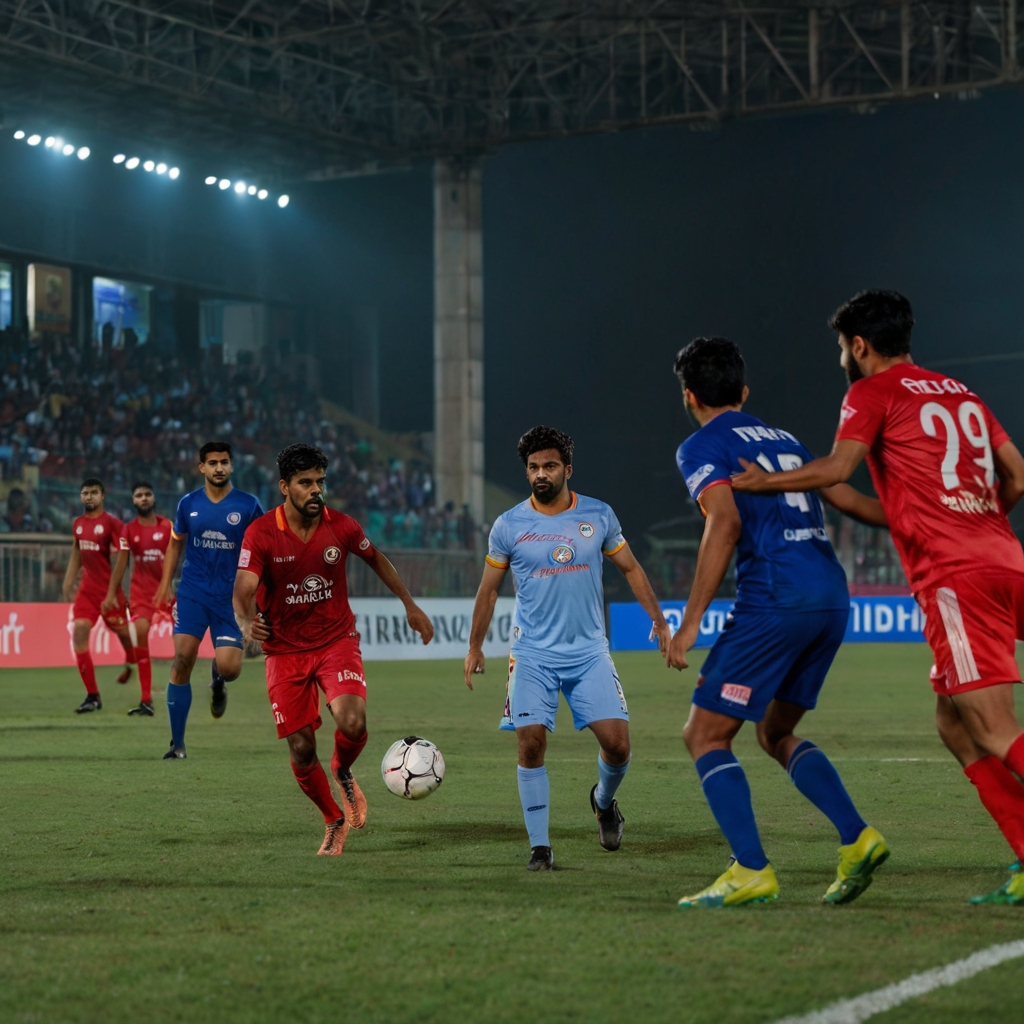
<point x="134" y="889"/>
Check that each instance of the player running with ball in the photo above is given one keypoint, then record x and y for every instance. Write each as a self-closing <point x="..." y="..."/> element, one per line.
<point x="947" y="475"/>
<point x="554" y="543"/>
<point x="292" y="563"/>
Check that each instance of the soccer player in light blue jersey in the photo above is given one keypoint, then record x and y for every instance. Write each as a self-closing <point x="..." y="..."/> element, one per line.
<point x="555" y="543"/>
<point x="790" y="616"/>
<point x="209" y="525"/>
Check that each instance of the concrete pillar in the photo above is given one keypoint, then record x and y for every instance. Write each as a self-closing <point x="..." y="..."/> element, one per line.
<point x="458" y="336"/>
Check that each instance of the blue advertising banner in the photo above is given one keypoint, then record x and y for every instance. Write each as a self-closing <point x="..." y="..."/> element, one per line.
<point x="872" y="620"/>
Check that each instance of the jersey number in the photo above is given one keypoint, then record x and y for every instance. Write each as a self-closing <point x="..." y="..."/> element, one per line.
<point x="975" y="429"/>
<point x="797" y="499"/>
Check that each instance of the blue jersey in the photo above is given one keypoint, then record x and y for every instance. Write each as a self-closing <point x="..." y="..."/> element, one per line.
<point x="212" y="532"/>
<point x="556" y="562"/>
<point x="784" y="559"/>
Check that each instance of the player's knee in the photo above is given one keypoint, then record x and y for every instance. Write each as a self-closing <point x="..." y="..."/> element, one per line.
<point x="229" y="673"/>
<point x="302" y="749"/>
<point x="531" y="751"/>
<point x="770" y="736"/>
<point x="617" y="752"/>
<point x="351" y="724"/>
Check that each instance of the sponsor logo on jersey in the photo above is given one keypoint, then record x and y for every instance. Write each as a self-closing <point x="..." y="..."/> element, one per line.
<point x="88" y="545"/>
<point x="214" y="539"/>
<point x="586" y="530"/>
<point x="98" y="531"/>
<point x="243" y="558"/>
<point x="284" y="558"/>
<point x="364" y="544"/>
<point x="557" y="570"/>
<point x="763" y="433"/>
<point x="193" y="513"/>
<point x="544" y="538"/>
<point x="935" y="387"/>
<point x="278" y="716"/>
<point x="736" y="694"/>
<point x="234" y="518"/>
<point x="562" y="555"/>
<point x="78" y="530"/>
<point x="159" y="535"/>
<point x="806" y="533"/>
<point x="974" y="503"/>
<point x="694" y="480"/>
<point x="313" y="589"/>
<point x="348" y="676"/>
<point x="847" y="412"/>
<point x="332" y="554"/>
<point x="152" y="555"/>
<point x="122" y="544"/>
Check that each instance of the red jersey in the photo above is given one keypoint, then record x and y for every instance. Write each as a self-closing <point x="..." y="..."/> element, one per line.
<point x="148" y="545"/>
<point x="303" y="591"/>
<point x="931" y="441"/>
<point x="96" y="536"/>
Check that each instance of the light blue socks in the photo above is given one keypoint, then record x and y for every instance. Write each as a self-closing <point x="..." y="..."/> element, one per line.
<point x="535" y="794"/>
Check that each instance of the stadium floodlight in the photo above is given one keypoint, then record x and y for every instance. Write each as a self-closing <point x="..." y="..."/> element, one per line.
<point x="223" y="184"/>
<point x="34" y="140"/>
<point x="131" y="163"/>
<point x="119" y="159"/>
<point x="148" y="165"/>
<point x="83" y="153"/>
<point x="240" y="187"/>
<point x="211" y="179"/>
<point x="173" y="173"/>
<point x="67" y="149"/>
<point x="283" y="201"/>
<point x="161" y="168"/>
<point x="50" y="140"/>
<point x="19" y="134"/>
<point x="252" y="190"/>
<point x="262" y="194"/>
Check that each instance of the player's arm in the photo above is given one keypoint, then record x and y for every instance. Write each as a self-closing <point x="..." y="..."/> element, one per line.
<point x="854" y="504"/>
<point x="483" y="612"/>
<point x="171" y="556"/>
<point x="415" y="615"/>
<point x="835" y="468"/>
<point x="722" y="530"/>
<point x="243" y="600"/>
<point x="1010" y="470"/>
<point x="74" y="564"/>
<point x="116" y="576"/>
<point x="625" y="561"/>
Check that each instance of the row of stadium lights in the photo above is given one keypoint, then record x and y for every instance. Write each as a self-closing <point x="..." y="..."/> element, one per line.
<point x="58" y="145"/>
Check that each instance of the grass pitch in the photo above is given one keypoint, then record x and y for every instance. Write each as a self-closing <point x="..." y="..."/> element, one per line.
<point x="135" y="889"/>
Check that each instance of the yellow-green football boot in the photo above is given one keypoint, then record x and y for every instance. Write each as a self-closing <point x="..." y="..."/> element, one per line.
<point x="857" y="862"/>
<point x="1010" y="894"/>
<point x="736" y="886"/>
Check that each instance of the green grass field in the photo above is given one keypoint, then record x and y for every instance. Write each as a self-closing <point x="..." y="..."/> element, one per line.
<point x="134" y="889"/>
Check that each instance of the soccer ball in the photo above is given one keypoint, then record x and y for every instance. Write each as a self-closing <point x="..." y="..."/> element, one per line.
<point x="412" y="768"/>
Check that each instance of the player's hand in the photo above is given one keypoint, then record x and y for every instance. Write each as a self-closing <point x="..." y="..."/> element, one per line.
<point x="472" y="666"/>
<point x="675" y="653"/>
<point x="751" y="479"/>
<point x="107" y="606"/>
<point x="160" y="597"/>
<point x="259" y="629"/>
<point x="663" y="634"/>
<point x="419" y="620"/>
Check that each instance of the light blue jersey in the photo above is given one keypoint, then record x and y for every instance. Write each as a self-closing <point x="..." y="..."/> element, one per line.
<point x="556" y="562"/>
<point x="212" y="532"/>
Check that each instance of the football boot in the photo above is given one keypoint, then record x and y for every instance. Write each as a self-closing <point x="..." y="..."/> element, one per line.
<point x="857" y="862"/>
<point x="736" y="886"/>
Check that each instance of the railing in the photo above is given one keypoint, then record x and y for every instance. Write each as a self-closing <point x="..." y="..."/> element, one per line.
<point x="32" y="567"/>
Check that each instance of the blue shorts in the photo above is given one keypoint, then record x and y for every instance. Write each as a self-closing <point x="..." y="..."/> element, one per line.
<point x="591" y="687"/>
<point x="765" y="656"/>
<point x="193" y="617"/>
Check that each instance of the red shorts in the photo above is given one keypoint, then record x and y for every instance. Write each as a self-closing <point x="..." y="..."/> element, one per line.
<point x="973" y="622"/>
<point x="142" y="607"/>
<point x="87" y="606"/>
<point x="294" y="682"/>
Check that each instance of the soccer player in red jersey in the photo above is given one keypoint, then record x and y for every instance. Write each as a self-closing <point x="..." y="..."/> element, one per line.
<point x="96" y="534"/>
<point x="292" y="565"/>
<point x="947" y="474"/>
<point x="147" y="535"/>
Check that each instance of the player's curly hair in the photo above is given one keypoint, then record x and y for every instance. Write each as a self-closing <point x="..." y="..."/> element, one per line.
<point x="713" y="369"/>
<point x="539" y="439"/>
<point x="93" y="481"/>
<point x="881" y="317"/>
<point x="298" y="457"/>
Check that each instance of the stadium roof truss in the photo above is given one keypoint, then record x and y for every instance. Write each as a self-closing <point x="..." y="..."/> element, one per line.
<point x="321" y="88"/>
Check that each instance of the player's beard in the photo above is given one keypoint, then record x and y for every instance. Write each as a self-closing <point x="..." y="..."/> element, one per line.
<point x="545" y="491"/>
<point x="219" y="481"/>
<point x="145" y="510"/>
<point x="852" y="370"/>
<point x="313" y="507"/>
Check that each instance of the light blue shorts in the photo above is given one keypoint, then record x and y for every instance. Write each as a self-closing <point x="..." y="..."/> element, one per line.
<point x="591" y="687"/>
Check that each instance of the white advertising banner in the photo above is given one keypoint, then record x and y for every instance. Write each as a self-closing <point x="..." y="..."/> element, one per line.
<point x="386" y="636"/>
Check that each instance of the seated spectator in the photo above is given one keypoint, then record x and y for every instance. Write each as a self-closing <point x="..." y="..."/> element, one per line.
<point x="18" y="518"/>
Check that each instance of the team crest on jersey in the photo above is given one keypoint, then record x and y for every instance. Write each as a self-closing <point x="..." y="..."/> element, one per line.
<point x="234" y="518"/>
<point x="332" y="554"/>
<point x="98" y="531"/>
<point x="159" y="535"/>
<point x="563" y="554"/>
<point x="364" y="544"/>
<point x="78" y="530"/>
<point x="586" y="530"/>
<point x="312" y="589"/>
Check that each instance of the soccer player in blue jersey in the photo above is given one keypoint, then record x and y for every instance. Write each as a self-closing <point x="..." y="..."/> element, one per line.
<point x="209" y="525"/>
<point x="554" y="544"/>
<point x="790" y="616"/>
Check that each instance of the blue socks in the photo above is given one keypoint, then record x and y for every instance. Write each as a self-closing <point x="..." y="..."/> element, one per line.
<point x="535" y="794"/>
<point x="609" y="776"/>
<point x="814" y="775"/>
<point x="179" y="700"/>
<point x="728" y="794"/>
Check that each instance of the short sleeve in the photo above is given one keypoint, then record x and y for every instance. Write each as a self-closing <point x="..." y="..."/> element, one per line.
<point x="499" y="550"/>
<point x="358" y="542"/>
<point x="613" y="540"/>
<point x="862" y="414"/>
<point x="257" y="510"/>
<point x="702" y="465"/>
<point x="997" y="435"/>
<point x="180" y="528"/>
<point x="122" y="536"/>
<point x="252" y="556"/>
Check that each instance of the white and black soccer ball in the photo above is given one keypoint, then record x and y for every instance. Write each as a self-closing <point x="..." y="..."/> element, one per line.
<point x="412" y="768"/>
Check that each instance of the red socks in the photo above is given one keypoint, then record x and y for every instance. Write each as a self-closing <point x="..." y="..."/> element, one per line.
<point x="346" y="751"/>
<point x="87" y="671"/>
<point x="313" y="782"/>
<point x="1002" y="796"/>
<point x="145" y="673"/>
<point x="1015" y="757"/>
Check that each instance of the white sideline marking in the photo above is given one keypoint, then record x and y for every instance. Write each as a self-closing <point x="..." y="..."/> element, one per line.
<point x="853" y="1011"/>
